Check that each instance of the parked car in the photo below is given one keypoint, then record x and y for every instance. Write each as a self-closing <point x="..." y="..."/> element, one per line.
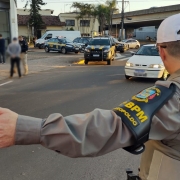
<point x="117" y="44"/>
<point x="132" y="43"/>
<point x="147" y="63"/>
<point x="121" y="46"/>
<point x="62" y="45"/>
<point x="82" y="42"/>
<point x="100" y="49"/>
<point x="54" y="34"/>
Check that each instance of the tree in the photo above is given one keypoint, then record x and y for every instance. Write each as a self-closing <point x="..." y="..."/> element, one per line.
<point x="85" y="10"/>
<point x="111" y="9"/>
<point x="101" y="12"/>
<point x="35" y="19"/>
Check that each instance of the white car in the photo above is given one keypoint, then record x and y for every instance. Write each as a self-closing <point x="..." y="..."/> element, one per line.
<point x="147" y="63"/>
<point x="132" y="43"/>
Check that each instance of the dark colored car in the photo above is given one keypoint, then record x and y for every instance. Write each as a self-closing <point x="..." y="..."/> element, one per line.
<point x="62" y="45"/>
<point x="82" y="42"/>
<point x="100" y="49"/>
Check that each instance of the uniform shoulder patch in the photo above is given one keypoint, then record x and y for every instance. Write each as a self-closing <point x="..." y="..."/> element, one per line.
<point x="147" y="94"/>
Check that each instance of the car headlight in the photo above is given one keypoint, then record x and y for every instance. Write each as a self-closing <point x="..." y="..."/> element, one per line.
<point x="106" y="50"/>
<point x="156" y="66"/>
<point x="87" y="50"/>
<point x="129" y="64"/>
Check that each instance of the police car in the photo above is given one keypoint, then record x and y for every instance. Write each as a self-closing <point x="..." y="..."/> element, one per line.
<point x="100" y="49"/>
<point x="61" y="44"/>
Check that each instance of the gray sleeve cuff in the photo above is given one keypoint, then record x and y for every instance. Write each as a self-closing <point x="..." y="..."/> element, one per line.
<point x="28" y="130"/>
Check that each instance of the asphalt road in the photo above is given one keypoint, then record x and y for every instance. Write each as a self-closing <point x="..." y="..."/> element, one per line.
<point x="69" y="90"/>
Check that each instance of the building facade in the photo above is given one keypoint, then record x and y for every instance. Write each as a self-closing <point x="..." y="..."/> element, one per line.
<point x="8" y="20"/>
<point x="88" y="26"/>
<point x="51" y="23"/>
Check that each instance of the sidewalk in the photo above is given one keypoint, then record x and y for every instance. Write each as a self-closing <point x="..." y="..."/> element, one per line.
<point x="36" y="65"/>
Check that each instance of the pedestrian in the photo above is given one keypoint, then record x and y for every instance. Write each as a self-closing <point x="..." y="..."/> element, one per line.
<point x="23" y="56"/>
<point x="2" y="49"/>
<point x="34" y="40"/>
<point x="151" y="116"/>
<point x="14" y="50"/>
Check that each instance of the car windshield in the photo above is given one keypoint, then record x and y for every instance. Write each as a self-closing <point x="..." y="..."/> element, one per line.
<point x="124" y="40"/>
<point x="99" y="42"/>
<point x="115" y="40"/>
<point x="66" y="41"/>
<point x="148" y="51"/>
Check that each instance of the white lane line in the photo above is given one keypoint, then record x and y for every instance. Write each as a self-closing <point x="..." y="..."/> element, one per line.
<point x="6" y="83"/>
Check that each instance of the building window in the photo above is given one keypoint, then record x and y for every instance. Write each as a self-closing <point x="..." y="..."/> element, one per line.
<point x="85" y="23"/>
<point x="70" y="22"/>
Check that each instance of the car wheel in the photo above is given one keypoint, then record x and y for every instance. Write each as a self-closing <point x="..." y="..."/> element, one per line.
<point x="85" y="61"/>
<point x="137" y="46"/>
<point x="121" y="51"/>
<point x="46" y="49"/>
<point x="76" y="52"/>
<point x="127" y="77"/>
<point x="109" y="62"/>
<point x="63" y="50"/>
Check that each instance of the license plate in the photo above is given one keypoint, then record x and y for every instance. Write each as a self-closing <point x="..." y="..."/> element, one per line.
<point x="96" y="55"/>
<point x="76" y="48"/>
<point x="139" y="72"/>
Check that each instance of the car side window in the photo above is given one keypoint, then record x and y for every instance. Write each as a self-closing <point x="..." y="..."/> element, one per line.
<point x="81" y="41"/>
<point x="76" y="40"/>
<point x="52" y="40"/>
<point x="49" y="36"/>
<point x="85" y="41"/>
<point x="56" y="40"/>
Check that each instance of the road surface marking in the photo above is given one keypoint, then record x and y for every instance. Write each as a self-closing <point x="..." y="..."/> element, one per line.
<point x="6" y="83"/>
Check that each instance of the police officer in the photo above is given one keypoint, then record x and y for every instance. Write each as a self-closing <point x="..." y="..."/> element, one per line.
<point x="23" y="56"/>
<point x="152" y="116"/>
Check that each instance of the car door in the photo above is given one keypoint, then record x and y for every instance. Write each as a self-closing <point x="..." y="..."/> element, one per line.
<point x="112" y="46"/>
<point x="134" y="43"/>
<point x="129" y="42"/>
<point x="50" y="44"/>
<point x="56" y="44"/>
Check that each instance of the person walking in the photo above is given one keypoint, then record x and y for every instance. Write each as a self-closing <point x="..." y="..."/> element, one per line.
<point x="2" y="49"/>
<point x="14" y="50"/>
<point x="23" y="55"/>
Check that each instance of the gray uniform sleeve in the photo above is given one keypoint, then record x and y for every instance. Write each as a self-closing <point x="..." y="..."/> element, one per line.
<point x="82" y="135"/>
<point x="167" y="120"/>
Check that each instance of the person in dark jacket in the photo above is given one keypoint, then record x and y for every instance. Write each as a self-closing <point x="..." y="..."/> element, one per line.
<point x="2" y="49"/>
<point x="23" y="55"/>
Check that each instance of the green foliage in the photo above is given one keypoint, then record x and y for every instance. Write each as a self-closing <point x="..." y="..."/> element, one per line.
<point x="35" y="19"/>
<point x="103" y="12"/>
<point x="71" y="29"/>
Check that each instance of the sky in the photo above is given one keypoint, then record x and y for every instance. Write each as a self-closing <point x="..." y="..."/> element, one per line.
<point x="61" y="6"/>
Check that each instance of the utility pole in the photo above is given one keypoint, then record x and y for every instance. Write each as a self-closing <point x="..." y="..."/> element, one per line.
<point x="122" y="20"/>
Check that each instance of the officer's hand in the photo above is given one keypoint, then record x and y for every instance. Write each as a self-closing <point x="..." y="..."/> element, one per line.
<point x="8" y="121"/>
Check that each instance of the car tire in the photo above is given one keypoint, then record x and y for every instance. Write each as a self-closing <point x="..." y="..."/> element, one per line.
<point x="122" y="51"/>
<point x="127" y="77"/>
<point x="41" y="46"/>
<point x="85" y="61"/>
<point x="137" y="46"/>
<point x="63" y="50"/>
<point x="76" y="52"/>
<point x="46" y="49"/>
<point x="109" y="62"/>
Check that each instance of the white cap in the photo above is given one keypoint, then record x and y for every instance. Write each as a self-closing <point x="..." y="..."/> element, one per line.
<point x="169" y="29"/>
